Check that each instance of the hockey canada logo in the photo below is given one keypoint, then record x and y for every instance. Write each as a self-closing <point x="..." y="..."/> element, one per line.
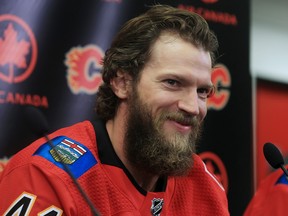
<point x="18" y="49"/>
<point x="84" y="65"/>
<point x="157" y="205"/>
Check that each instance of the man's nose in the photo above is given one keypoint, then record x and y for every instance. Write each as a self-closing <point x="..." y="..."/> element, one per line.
<point x="189" y="103"/>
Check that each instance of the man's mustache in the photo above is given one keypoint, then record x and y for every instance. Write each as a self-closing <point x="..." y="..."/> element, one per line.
<point x="181" y="118"/>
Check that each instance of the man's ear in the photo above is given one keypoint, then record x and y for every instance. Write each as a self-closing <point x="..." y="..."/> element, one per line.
<point x="121" y="84"/>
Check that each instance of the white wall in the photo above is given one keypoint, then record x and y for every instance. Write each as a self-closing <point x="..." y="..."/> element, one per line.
<point x="269" y="40"/>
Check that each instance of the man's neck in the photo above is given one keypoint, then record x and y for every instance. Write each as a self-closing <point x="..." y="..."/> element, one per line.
<point x="145" y="180"/>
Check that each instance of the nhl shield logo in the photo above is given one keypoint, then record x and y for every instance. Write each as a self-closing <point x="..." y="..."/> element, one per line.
<point x="156" y="207"/>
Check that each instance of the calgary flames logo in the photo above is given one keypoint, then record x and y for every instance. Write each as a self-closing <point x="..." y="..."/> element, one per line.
<point x="84" y="65"/>
<point x="222" y="79"/>
<point x="18" y="49"/>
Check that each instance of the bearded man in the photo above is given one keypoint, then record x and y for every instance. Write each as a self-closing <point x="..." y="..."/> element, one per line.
<point x="139" y="157"/>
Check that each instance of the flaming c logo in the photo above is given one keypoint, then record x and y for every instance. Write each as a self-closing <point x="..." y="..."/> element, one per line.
<point x="220" y="77"/>
<point x="18" y="49"/>
<point x="84" y="65"/>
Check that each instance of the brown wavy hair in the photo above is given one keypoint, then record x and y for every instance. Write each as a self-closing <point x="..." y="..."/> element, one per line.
<point x="131" y="47"/>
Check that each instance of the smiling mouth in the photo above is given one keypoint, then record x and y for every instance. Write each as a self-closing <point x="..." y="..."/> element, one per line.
<point x="180" y="126"/>
<point x="183" y="121"/>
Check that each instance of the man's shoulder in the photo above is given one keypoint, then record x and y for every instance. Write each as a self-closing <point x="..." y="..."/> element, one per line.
<point x="74" y="129"/>
<point x="73" y="144"/>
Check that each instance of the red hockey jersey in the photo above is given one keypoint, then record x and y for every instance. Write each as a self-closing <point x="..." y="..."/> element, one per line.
<point x="35" y="182"/>
<point x="271" y="196"/>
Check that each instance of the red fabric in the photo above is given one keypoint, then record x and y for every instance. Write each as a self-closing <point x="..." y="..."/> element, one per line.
<point x="271" y="197"/>
<point x="50" y="188"/>
<point x="2" y="165"/>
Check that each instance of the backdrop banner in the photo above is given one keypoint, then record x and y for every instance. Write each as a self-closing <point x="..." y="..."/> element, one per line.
<point x="50" y="58"/>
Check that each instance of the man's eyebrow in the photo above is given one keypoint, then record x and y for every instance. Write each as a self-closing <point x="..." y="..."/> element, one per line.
<point x="173" y="75"/>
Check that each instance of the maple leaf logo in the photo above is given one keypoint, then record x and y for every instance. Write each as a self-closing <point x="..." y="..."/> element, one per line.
<point x="12" y="51"/>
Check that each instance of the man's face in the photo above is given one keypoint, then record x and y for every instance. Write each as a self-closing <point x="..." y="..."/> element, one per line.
<point x="167" y="107"/>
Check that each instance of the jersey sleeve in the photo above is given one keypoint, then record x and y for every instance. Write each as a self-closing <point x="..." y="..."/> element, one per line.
<point x="27" y="190"/>
<point x="36" y="182"/>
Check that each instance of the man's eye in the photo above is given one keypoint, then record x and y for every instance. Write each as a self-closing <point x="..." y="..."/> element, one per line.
<point x="172" y="82"/>
<point x="206" y="92"/>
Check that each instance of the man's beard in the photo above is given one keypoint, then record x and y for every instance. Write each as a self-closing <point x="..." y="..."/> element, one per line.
<point x="150" y="150"/>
